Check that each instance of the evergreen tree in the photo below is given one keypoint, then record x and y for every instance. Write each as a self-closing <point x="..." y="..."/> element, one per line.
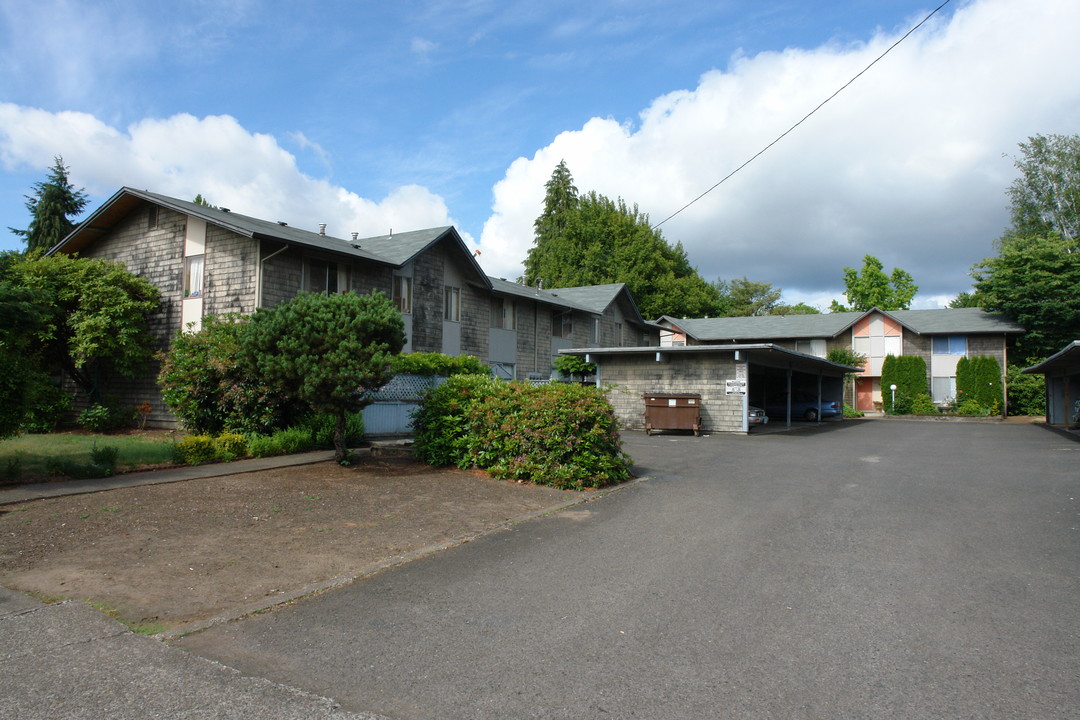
<point x="52" y="206"/>
<point x="593" y="240"/>
<point x="325" y="350"/>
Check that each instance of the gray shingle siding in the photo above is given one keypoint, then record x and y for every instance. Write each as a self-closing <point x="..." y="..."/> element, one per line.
<point x="157" y="255"/>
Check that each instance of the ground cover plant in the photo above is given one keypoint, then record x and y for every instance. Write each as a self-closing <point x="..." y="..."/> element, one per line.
<point x="562" y="435"/>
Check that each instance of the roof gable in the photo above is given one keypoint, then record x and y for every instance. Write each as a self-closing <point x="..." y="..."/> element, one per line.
<point x="395" y="250"/>
<point x="960" y="321"/>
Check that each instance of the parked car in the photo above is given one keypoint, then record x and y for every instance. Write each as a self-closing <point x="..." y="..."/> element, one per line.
<point x="756" y="416"/>
<point x="804" y="405"/>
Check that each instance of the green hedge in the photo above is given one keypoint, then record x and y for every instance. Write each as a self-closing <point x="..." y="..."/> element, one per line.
<point x="978" y="381"/>
<point x="908" y="373"/>
<point x="430" y="364"/>
<point x="561" y="435"/>
<point x="1027" y="393"/>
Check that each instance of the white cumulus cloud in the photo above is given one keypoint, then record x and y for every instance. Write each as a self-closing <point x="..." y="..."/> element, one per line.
<point x="183" y="156"/>
<point x="909" y="163"/>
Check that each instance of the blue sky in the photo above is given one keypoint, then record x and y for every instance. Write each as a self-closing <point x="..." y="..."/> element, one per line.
<point x="371" y="116"/>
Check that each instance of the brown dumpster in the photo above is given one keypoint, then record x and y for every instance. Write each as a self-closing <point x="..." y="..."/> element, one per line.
<point x="672" y="411"/>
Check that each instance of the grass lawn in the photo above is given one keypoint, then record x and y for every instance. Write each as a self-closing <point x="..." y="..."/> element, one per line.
<point x="25" y="457"/>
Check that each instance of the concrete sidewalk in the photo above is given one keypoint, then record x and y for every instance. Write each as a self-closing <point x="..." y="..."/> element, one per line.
<point x="67" y="660"/>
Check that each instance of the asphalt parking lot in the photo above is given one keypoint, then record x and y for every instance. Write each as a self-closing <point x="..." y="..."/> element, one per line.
<point x="869" y="569"/>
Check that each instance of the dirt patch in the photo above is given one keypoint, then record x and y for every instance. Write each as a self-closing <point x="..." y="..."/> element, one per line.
<point x="188" y="551"/>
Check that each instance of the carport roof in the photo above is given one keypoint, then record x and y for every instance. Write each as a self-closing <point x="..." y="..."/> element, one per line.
<point x="1066" y="359"/>
<point x="765" y="354"/>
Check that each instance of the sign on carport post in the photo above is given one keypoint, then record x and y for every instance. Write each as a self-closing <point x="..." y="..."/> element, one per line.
<point x="735" y="387"/>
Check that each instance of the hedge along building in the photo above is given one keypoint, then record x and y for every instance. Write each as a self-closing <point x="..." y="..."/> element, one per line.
<point x="725" y="376"/>
<point x="210" y="261"/>
<point x="940" y="337"/>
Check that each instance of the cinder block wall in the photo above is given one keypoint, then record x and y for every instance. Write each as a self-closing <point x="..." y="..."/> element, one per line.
<point x="632" y="376"/>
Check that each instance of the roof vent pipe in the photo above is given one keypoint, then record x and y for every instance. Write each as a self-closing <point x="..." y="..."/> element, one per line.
<point x="322" y="228"/>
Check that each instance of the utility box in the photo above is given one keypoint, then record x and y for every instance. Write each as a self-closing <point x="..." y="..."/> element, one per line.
<point x="672" y="411"/>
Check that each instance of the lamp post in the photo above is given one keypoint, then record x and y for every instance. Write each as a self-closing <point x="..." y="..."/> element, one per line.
<point x="893" y="388"/>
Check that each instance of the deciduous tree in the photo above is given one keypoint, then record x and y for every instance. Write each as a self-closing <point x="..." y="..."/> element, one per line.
<point x="1045" y="198"/>
<point x="1035" y="277"/>
<point x="1035" y="281"/>
<point x="871" y="288"/>
<point x="95" y="317"/>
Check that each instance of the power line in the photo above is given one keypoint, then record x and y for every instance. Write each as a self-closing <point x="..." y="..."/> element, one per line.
<point x="806" y="117"/>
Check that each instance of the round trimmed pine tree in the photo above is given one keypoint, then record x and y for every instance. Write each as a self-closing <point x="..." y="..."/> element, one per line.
<point x="326" y="350"/>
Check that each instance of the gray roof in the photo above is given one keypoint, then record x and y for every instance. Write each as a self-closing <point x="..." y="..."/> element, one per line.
<point x="529" y="292"/>
<point x="395" y="250"/>
<point x="597" y="297"/>
<point x="760" y="353"/>
<point x="965" y="321"/>
<point x="1066" y="359"/>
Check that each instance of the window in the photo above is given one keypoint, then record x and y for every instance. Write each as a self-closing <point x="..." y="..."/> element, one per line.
<point x="152" y="217"/>
<point x="618" y="335"/>
<point x="562" y="324"/>
<point x="503" y="314"/>
<point x="814" y="347"/>
<point x="320" y="276"/>
<point x="403" y="293"/>
<point x="193" y="275"/>
<point x="452" y="305"/>
<point x="944" y="389"/>
<point x="950" y="345"/>
<point x="503" y="371"/>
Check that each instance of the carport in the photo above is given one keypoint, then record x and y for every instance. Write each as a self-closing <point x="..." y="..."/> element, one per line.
<point x="1062" y="373"/>
<point x="729" y="378"/>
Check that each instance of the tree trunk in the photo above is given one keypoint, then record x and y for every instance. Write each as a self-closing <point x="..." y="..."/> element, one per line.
<point x="339" y="437"/>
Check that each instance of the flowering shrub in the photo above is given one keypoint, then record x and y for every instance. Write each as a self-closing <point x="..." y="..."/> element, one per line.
<point x="560" y="435"/>
<point x="205" y="386"/>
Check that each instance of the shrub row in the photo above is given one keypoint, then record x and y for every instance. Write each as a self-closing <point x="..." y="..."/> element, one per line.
<point x="314" y="431"/>
<point x="561" y="435"/>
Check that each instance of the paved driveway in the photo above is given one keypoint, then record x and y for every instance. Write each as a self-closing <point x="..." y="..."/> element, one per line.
<point x="879" y="569"/>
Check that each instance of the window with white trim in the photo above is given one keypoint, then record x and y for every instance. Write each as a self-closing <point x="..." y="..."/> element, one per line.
<point x="193" y="275"/>
<point x="943" y="389"/>
<point x="452" y="304"/>
<point x="950" y="345"/>
<point x="403" y="294"/>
